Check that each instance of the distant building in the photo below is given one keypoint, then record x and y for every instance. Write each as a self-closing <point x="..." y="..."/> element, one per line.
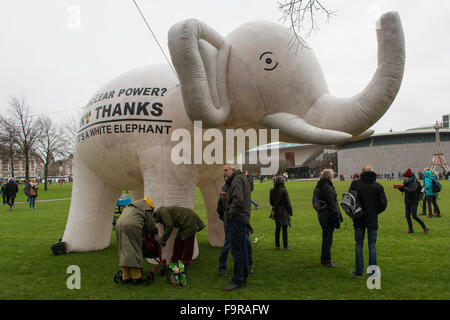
<point x="36" y="168"/>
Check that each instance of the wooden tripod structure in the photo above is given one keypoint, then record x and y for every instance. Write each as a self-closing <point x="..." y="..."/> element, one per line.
<point x="438" y="157"/>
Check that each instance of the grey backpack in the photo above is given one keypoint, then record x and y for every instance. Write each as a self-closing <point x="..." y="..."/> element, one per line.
<point x="351" y="205"/>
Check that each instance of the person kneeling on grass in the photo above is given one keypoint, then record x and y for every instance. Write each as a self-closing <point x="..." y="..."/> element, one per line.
<point x="134" y="221"/>
<point x="188" y="224"/>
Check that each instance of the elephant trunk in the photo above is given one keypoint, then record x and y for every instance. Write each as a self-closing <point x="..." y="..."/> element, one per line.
<point x="204" y="98"/>
<point x="356" y="114"/>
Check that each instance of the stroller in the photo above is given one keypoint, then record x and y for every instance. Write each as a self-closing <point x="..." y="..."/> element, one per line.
<point x="151" y="250"/>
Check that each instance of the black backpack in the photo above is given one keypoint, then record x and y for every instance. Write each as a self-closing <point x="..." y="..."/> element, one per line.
<point x="420" y="192"/>
<point x="435" y="185"/>
<point x="351" y="205"/>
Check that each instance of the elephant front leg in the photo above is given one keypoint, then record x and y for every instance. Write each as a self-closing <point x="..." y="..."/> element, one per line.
<point x="210" y="187"/>
<point x="89" y="223"/>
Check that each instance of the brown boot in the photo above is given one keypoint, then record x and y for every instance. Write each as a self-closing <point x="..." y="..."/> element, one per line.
<point x="425" y="230"/>
<point x="438" y="215"/>
<point x="430" y="216"/>
<point x="409" y="231"/>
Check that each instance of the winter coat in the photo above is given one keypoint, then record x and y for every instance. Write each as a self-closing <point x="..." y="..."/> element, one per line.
<point x="372" y="198"/>
<point x="222" y="205"/>
<point x="279" y="200"/>
<point x="238" y="202"/>
<point x="331" y="214"/>
<point x="134" y="221"/>
<point x="410" y="191"/>
<point x="250" y="181"/>
<point x="428" y="183"/>
<point x="185" y="219"/>
<point x="11" y="189"/>
<point x="3" y="190"/>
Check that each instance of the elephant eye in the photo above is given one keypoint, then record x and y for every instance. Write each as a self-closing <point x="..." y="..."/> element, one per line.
<point x="270" y="64"/>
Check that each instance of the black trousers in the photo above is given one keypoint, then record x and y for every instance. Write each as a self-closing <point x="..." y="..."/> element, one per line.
<point x="278" y="228"/>
<point x="10" y="201"/>
<point x="327" y="241"/>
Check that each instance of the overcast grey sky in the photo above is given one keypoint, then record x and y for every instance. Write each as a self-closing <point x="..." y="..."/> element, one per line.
<point x="57" y="53"/>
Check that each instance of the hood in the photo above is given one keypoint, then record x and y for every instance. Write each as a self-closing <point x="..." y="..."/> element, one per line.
<point x="368" y="177"/>
<point x="141" y="205"/>
<point x="427" y="174"/>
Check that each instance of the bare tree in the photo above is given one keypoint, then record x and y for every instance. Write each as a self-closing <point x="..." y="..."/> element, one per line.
<point x="51" y="144"/>
<point x="302" y="18"/>
<point x="8" y="138"/>
<point x="71" y="126"/>
<point x="27" y="129"/>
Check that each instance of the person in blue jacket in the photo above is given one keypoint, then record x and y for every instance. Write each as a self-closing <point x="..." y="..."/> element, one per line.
<point x="430" y="196"/>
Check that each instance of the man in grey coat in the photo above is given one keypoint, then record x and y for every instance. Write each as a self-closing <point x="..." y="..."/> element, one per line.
<point x="238" y="217"/>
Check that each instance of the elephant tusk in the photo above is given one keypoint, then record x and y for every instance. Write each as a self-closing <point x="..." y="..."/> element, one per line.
<point x="299" y="129"/>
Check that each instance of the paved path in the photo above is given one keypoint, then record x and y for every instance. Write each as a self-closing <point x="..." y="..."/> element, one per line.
<point x="49" y="200"/>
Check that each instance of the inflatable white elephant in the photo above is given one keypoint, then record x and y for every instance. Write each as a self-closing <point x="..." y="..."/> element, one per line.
<point x="254" y="78"/>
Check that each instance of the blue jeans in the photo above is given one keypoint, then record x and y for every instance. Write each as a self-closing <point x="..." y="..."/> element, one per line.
<point x="239" y="251"/>
<point x="32" y="201"/>
<point x="359" y="257"/>
<point x="411" y="210"/>
<point x="226" y="248"/>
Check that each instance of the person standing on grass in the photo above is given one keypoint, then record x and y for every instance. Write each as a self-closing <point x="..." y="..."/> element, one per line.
<point x="11" y="192"/>
<point x="237" y="212"/>
<point x="411" y="188"/>
<point x="26" y="190"/>
<point x="329" y="214"/>
<point x="373" y="202"/>
<point x="250" y="181"/>
<point x="430" y="195"/>
<point x="32" y="193"/>
<point x="279" y="200"/>
<point x="3" y="191"/>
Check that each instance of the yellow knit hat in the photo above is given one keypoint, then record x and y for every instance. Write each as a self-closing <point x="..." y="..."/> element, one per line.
<point x="149" y="202"/>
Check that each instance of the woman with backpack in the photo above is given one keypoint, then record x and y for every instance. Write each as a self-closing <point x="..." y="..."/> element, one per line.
<point x="431" y="195"/>
<point x="279" y="200"/>
<point x="412" y="189"/>
<point x="32" y="194"/>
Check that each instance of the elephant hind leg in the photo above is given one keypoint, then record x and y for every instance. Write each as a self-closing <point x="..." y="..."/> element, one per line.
<point x="89" y="223"/>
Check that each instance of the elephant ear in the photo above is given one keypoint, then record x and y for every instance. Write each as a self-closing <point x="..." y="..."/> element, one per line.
<point x="200" y="57"/>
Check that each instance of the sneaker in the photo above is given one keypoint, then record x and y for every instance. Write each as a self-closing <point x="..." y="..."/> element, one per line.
<point x="355" y="274"/>
<point x="409" y="231"/>
<point x="232" y="286"/>
<point x="277" y="248"/>
<point x="223" y="274"/>
<point x="437" y="215"/>
<point x="250" y="271"/>
<point x="287" y="249"/>
<point x="331" y="265"/>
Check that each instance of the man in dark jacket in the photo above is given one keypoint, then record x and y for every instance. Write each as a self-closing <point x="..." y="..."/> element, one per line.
<point x="188" y="224"/>
<point x="373" y="201"/>
<point x="328" y="213"/>
<point x="11" y="190"/>
<point x="250" y="182"/>
<point x="238" y="219"/>
<point x="411" y="188"/>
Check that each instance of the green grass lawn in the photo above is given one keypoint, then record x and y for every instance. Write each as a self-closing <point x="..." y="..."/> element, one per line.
<point x="413" y="266"/>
